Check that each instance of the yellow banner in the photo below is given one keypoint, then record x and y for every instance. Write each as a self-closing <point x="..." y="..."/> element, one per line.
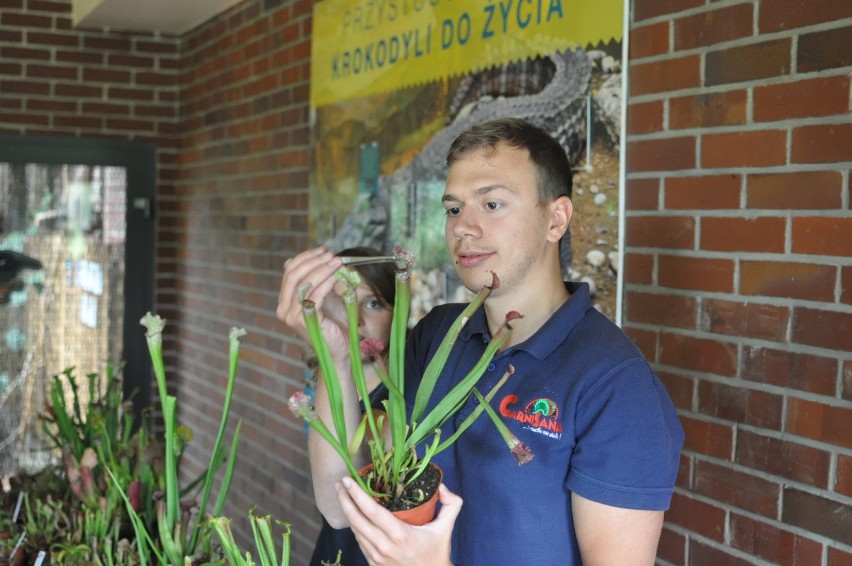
<point x="364" y="47"/>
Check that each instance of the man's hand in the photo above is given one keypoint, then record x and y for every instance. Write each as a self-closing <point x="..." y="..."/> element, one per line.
<point x="387" y="541"/>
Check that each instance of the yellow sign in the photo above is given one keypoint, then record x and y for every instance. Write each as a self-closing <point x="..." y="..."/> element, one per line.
<point x="364" y="47"/>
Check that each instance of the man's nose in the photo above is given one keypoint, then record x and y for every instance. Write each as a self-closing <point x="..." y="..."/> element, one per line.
<point x="466" y="225"/>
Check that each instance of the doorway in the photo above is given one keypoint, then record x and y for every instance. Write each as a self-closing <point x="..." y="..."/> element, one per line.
<point x="77" y="245"/>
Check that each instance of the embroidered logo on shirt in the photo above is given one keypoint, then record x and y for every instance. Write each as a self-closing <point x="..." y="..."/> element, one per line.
<point x="539" y="415"/>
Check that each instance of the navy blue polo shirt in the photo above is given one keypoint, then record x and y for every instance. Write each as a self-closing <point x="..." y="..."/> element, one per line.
<point x="583" y="398"/>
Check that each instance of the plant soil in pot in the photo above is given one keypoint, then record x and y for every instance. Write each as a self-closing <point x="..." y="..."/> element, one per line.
<point x="419" y="500"/>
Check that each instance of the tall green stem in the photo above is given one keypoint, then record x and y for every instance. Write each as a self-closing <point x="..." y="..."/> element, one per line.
<point x="329" y="373"/>
<point x="218" y="453"/>
<point x="352" y="315"/>
<point x="396" y="369"/>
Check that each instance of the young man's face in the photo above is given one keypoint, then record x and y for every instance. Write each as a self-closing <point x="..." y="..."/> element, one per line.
<point x="494" y="222"/>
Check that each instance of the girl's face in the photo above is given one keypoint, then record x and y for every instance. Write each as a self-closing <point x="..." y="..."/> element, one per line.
<point x="374" y="319"/>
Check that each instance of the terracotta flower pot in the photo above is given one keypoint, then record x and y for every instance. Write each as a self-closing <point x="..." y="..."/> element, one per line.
<point x="423" y="513"/>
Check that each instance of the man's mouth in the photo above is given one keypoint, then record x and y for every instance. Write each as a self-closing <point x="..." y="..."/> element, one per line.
<point x="473" y="259"/>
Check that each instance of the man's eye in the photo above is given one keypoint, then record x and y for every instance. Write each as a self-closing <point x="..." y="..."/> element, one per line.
<point x="453" y="211"/>
<point x="491" y="205"/>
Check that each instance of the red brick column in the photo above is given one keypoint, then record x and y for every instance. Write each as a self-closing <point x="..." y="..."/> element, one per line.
<point x="737" y="269"/>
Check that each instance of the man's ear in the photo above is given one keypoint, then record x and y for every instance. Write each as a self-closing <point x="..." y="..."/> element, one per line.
<point x="560" y="215"/>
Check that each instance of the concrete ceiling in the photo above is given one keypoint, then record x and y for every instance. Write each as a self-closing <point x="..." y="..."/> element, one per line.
<point x="164" y="16"/>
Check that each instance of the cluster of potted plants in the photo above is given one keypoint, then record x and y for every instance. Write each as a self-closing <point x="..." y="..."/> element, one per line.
<point x="114" y="496"/>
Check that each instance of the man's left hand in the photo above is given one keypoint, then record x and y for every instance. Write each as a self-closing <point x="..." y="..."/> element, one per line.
<point x="388" y="541"/>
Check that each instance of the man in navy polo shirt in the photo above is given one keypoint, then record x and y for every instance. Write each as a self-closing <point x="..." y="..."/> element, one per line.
<point x="604" y="433"/>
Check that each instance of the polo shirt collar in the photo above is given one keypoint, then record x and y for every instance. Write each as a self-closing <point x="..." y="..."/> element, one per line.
<point x="551" y="334"/>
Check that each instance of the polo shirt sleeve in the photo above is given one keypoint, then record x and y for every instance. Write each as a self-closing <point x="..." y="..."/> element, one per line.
<point x="627" y="440"/>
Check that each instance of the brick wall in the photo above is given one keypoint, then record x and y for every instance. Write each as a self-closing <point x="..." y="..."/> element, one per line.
<point x="737" y="269"/>
<point x="240" y="209"/>
<point x="738" y="272"/>
<point x="58" y="81"/>
<point x="227" y="106"/>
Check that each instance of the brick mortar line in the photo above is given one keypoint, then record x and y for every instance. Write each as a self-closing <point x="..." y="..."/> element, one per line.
<point x="274" y="69"/>
<point x="752" y="559"/>
<point x="195" y="199"/>
<point x="741" y="85"/>
<point x="758" y="300"/>
<point x="221" y="357"/>
<point x="250" y="329"/>
<point x="286" y="380"/>
<point x="263" y="448"/>
<point x="840" y="166"/>
<point x="239" y="177"/>
<point x="782" y="391"/>
<point x="176" y="232"/>
<point x="804" y="441"/>
<point x="736" y="340"/>
<point x="201" y="198"/>
<point x="259" y="116"/>
<point x="264" y="54"/>
<point x="787" y="126"/>
<point x="830" y="449"/>
<point x="738" y="256"/>
<point x="678" y="14"/>
<point x="739" y="342"/>
<point x="756" y="38"/>
<point x="237" y="191"/>
<point x="741" y="214"/>
<point x="756" y="516"/>
<point x="781" y="481"/>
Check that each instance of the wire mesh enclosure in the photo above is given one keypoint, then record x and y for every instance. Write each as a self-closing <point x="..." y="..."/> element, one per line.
<point x="69" y="312"/>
